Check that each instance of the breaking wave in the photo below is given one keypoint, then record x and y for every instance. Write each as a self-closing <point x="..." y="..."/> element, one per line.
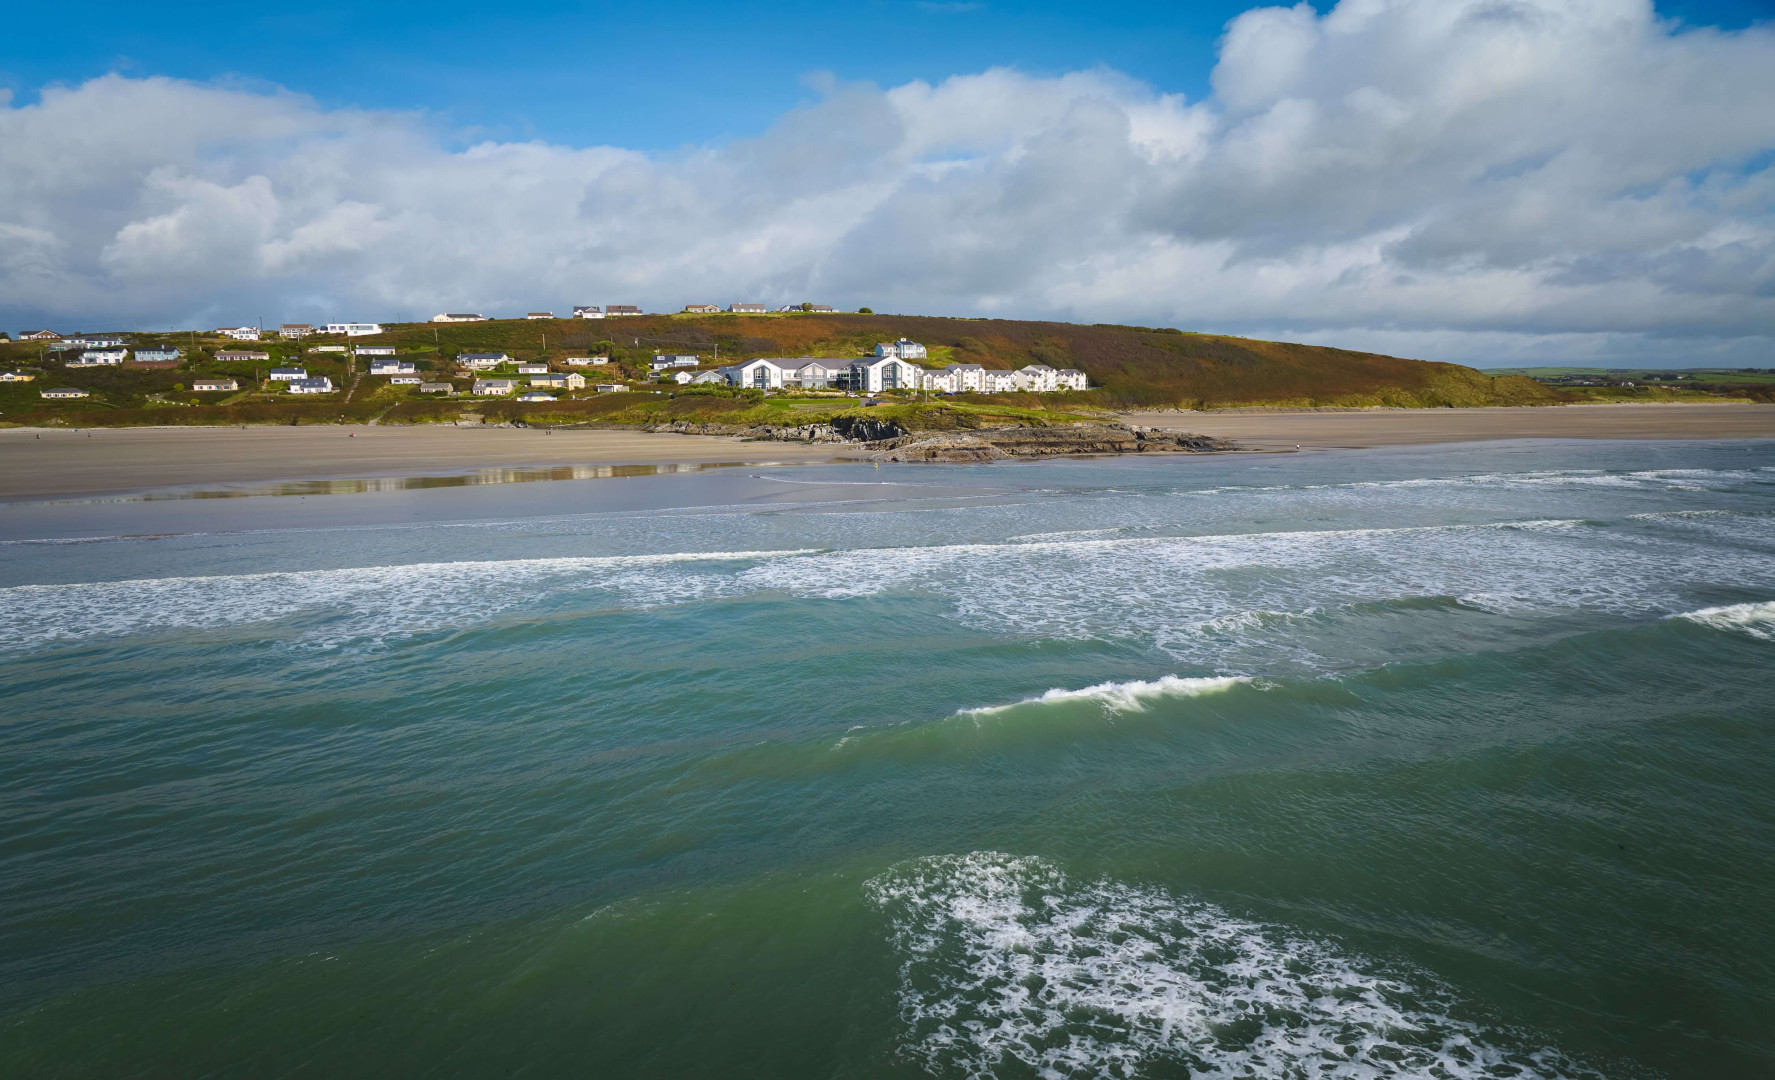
<point x="1757" y="620"/>
<point x="1123" y="697"/>
<point x="1010" y="967"/>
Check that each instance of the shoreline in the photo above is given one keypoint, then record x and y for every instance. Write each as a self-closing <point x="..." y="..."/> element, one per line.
<point x="49" y="464"/>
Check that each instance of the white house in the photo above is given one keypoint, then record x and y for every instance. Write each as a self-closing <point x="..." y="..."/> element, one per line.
<point x="242" y="356"/>
<point x="533" y="369"/>
<point x="436" y="388"/>
<point x="393" y="367"/>
<point x="459" y="317"/>
<point x="16" y="376"/>
<point x="294" y="330"/>
<point x="239" y="333"/>
<point x="99" y="358"/>
<point x="95" y="341"/>
<point x="354" y="329"/>
<point x="702" y="309"/>
<point x="540" y="315"/>
<point x="573" y="380"/>
<point x="680" y="377"/>
<point x="748" y="309"/>
<point x="884" y="373"/>
<point x="705" y="378"/>
<point x="821" y="309"/>
<point x="40" y="335"/>
<point x="669" y="361"/>
<point x="495" y="386"/>
<point x="326" y="348"/>
<point x="621" y="309"/>
<point x="1037" y="378"/>
<point x="612" y="388"/>
<point x="482" y="361"/>
<point x="585" y="311"/>
<point x="1072" y="379"/>
<point x="584" y="361"/>
<point x="905" y="350"/>
<point x="374" y="350"/>
<point x="321" y="385"/>
<point x="64" y="392"/>
<point x="759" y="374"/>
<point x="207" y="386"/>
<point x="157" y="354"/>
<point x="288" y="374"/>
<point x="404" y="380"/>
<point x="535" y="395"/>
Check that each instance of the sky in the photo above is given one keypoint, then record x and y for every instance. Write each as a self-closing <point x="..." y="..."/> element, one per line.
<point x="1488" y="181"/>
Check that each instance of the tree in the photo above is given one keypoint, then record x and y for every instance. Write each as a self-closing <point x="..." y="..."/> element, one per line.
<point x="807" y="307"/>
<point x="865" y="311"/>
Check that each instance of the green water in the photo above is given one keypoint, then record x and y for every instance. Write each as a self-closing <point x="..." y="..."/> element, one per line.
<point x="1449" y="762"/>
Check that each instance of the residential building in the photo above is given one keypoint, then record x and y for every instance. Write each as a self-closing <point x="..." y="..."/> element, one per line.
<point x="482" y="361"/>
<point x="883" y="373"/>
<point x="99" y="358"/>
<point x="667" y="360"/>
<point x="1072" y="379"/>
<point x="40" y="335"/>
<point x="96" y="341"/>
<point x="704" y="378"/>
<point x="292" y="331"/>
<point x="64" y="392"/>
<point x="322" y="385"/>
<point x="679" y="377"/>
<point x="702" y="309"/>
<point x="495" y="386"/>
<point x="540" y="315"/>
<point x="436" y="388"/>
<point x="533" y="368"/>
<point x="584" y="361"/>
<point x="587" y="311"/>
<point x="612" y="388"/>
<point x="905" y="350"/>
<point x="969" y="378"/>
<point x="393" y="367"/>
<point x="373" y="350"/>
<point x="459" y="317"/>
<point x="288" y="374"/>
<point x="749" y="309"/>
<point x="242" y="356"/>
<point x="621" y="309"/>
<point x="208" y="386"/>
<point x="405" y="380"/>
<point x="810" y="374"/>
<point x="535" y="395"/>
<point x="157" y="354"/>
<point x="354" y="329"/>
<point x="755" y="374"/>
<point x="1037" y="378"/>
<point x="571" y="381"/>
<point x="16" y="376"/>
<point x="997" y="382"/>
<point x="822" y="309"/>
<point x="946" y="381"/>
<point x="326" y="348"/>
<point x="239" y="333"/>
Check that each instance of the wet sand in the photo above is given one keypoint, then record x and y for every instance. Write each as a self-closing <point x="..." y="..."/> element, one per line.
<point x="41" y="464"/>
<point x="1282" y="429"/>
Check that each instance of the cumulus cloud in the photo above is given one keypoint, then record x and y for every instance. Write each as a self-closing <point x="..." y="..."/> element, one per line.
<point x="1486" y="180"/>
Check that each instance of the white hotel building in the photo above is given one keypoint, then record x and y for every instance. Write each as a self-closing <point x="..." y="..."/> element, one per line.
<point x="889" y="369"/>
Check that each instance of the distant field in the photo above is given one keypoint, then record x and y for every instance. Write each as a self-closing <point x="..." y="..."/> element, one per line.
<point x="1709" y="375"/>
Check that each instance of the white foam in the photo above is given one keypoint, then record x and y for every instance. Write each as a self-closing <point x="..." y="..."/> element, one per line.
<point x="1124" y="697"/>
<point x="1009" y="963"/>
<point x="1757" y="620"/>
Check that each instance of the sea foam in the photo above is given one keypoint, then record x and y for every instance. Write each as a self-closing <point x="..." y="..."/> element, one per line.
<point x="1123" y="697"/>
<point x="1011" y="967"/>
<point x="1757" y="620"/>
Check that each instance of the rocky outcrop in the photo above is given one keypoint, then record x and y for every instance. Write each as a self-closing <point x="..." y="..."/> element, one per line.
<point x="991" y="444"/>
<point x="822" y="433"/>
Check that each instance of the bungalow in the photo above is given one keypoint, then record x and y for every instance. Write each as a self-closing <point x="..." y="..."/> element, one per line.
<point x="702" y="309"/>
<point x="207" y="386"/>
<point x="288" y="374"/>
<point x="570" y="381"/>
<point x="495" y="386"/>
<point x="405" y="380"/>
<point x="242" y="356"/>
<point x="535" y="395"/>
<point x="584" y="361"/>
<point x="393" y="367"/>
<point x="321" y="385"/>
<point x="621" y="309"/>
<point x="155" y="354"/>
<point x="373" y="350"/>
<point x="748" y="309"/>
<point x="96" y="341"/>
<point x="822" y="309"/>
<point x="540" y="315"/>
<point x="354" y="329"/>
<point x="65" y="392"/>
<point x="16" y="376"/>
<point x="679" y="377"/>
<point x="585" y="311"/>
<point x="291" y="331"/>
<point x="99" y="358"/>
<point x="905" y="350"/>
<point x="1072" y="379"/>
<point x="326" y="348"/>
<point x="239" y="333"/>
<point x="40" y="335"/>
<point x="533" y="368"/>
<point x="482" y="361"/>
<point x="664" y="360"/>
<point x="436" y="388"/>
<point x="612" y="388"/>
<point x="459" y="317"/>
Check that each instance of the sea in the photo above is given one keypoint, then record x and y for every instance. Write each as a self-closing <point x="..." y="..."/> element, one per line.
<point x="1452" y="761"/>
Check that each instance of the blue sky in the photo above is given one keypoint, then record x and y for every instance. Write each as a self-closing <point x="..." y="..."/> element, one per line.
<point x="1489" y="181"/>
<point x="651" y="76"/>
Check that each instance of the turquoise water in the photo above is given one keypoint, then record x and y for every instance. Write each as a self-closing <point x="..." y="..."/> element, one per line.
<point x="1446" y="762"/>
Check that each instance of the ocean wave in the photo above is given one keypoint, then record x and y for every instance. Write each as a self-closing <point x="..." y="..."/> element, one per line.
<point x="1757" y="620"/>
<point x="1123" y="697"/>
<point x="1007" y="963"/>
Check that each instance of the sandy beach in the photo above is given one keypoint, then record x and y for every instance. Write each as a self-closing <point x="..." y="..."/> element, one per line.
<point x="104" y="461"/>
<point x="1282" y="429"/>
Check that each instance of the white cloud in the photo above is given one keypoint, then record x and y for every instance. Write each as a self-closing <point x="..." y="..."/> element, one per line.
<point x="1469" y="179"/>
